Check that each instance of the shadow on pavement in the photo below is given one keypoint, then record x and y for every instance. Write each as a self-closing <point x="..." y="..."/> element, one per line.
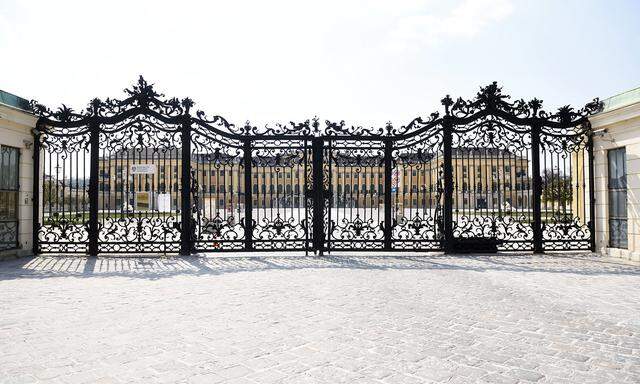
<point x="161" y="267"/>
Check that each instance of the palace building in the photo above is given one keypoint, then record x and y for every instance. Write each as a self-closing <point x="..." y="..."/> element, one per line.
<point x="142" y="179"/>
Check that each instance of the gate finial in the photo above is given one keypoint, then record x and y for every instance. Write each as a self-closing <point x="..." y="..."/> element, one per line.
<point x="447" y="102"/>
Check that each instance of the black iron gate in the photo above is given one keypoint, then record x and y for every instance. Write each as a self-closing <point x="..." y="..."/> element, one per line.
<point x="146" y="175"/>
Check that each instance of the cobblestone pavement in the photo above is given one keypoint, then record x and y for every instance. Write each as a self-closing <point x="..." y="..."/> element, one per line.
<point x="339" y="319"/>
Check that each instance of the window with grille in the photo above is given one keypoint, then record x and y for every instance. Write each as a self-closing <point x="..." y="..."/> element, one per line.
<point x="9" y="159"/>
<point x="617" y="198"/>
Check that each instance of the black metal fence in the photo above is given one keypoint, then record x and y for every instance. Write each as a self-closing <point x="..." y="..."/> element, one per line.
<point x="146" y="175"/>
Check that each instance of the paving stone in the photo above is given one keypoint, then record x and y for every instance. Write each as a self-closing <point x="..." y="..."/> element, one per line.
<point x="399" y="378"/>
<point x="235" y="371"/>
<point x="205" y="379"/>
<point x="498" y="379"/>
<point x="304" y="320"/>
<point x="529" y="376"/>
<point x="268" y="377"/>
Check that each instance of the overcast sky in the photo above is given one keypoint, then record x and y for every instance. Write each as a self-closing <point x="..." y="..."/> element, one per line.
<point x="367" y="62"/>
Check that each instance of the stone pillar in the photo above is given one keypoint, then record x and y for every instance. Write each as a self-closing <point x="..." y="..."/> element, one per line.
<point x="618" y="125"/>
<point x="16" y="126"/>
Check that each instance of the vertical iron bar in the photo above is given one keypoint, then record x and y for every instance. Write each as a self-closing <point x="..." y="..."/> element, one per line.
<point x="318" y="195"/>
<point x="388" y="152"/>
<point x="447" y="125"/>
<point x="329" y="195"/>
<point x="248" y="197"/>
<point x="94" y="142"/>
<point x="35" y="195"/>
<point x="185" y="192"/>
<point x="592" y="192"/>
<point x="306" y="197"/>
<point x="537" y="189"/>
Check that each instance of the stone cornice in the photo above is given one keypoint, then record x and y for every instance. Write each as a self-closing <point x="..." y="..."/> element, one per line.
<point x="17" y="116"/>
<point x="604" y="119"/>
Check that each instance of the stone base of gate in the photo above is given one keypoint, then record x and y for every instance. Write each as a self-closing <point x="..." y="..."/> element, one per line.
<point x="475" y="245"/>
<point x="15" y="254"/>
<point x="618" y="253"/>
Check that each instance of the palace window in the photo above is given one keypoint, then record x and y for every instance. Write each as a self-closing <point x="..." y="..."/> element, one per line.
<point x="617" y="198"/>
<point x="9" y="159"/>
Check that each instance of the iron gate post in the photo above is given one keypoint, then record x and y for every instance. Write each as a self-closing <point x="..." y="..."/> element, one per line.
<point x="388" y="151"/>
<point x="35" y="195"/>
<point x="537" y="189"/>
<point x="248" y="197"/>
<point x="447" y="141"/>
<point x="318" y="194"/>
<point x="592" y="192"/>
<point x="94" y="142"/>
<point x="185" y="192"/>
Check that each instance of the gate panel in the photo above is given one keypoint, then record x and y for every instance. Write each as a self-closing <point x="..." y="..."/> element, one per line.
<point x="139" y="185"/>
<point x="417" y="191"/>
<point x="63" y="225"/>
<point x="281" y="172"/>
<point x="492" y="189"/>
<point x="354" y="180"/>
<point x="565" y="190"/>
<point x="217" y="190"/>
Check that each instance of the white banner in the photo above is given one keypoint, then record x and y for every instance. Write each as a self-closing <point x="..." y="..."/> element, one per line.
<point x="137" y="169"/>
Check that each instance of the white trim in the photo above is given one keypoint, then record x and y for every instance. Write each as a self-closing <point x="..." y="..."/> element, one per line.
<point x="614" y="116"/>
<point x="17" y="116"/>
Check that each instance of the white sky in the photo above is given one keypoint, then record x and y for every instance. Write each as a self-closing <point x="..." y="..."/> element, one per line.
<point x="363" y="61"/>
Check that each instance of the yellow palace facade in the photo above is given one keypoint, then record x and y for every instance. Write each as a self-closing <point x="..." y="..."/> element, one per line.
<point x="482" y="180"/>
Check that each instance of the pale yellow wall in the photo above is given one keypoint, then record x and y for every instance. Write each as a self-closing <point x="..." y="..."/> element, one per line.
<point x="410" y="178"/>
<point x="479" y="171"/>
<point x="580" y="176"/>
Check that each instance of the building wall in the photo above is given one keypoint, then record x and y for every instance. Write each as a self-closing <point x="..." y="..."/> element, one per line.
<point x="619" y="127"/>
<point x="580" y="177"/>
<point x="497" y="181"/>
<point x="15" y="131"/>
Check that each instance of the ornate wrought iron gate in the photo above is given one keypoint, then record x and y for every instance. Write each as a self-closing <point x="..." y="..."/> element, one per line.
<point x="145" y="174"/>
